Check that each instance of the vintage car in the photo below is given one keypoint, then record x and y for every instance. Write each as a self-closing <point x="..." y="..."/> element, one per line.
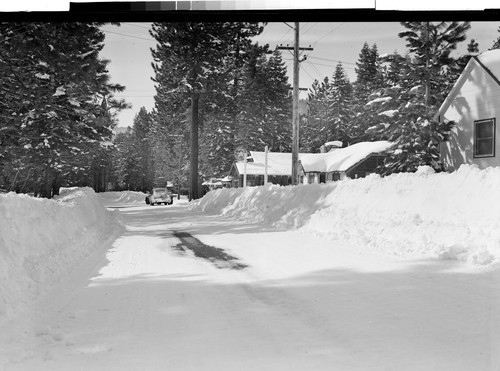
<point x="160" y="196"/>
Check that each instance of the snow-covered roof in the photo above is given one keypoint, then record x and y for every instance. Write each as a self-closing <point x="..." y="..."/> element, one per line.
<point x="343" y="158"/>
<point x="219" y="183"/>
<point x="335" y="143"/>
<point x="273" y="168"/>
<point x="278" y="163"/>
<point x="490" y="61"/>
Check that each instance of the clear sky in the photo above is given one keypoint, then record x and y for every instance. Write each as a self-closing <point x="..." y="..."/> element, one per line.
<point x="128" y="48"/>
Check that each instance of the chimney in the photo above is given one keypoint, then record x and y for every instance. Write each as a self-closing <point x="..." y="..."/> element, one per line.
<point x="336" y="144"/>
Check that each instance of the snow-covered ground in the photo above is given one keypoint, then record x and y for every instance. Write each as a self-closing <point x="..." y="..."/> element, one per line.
<point x="398" y="273"/>
<point x="450" y="216"/>
<point x="42" y="240"/>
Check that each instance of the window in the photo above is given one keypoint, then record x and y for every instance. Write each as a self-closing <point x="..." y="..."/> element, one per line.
<point x="484" y="138"/>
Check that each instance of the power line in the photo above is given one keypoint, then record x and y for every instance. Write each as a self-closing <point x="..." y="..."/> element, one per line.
<point x="315" y="69"/>
<point x="284" y="36"/>
<point x="304" y="26"/>
<point x="322" y="64"/>
<point x="329" y="32"/>
<point x="333" y="60"/>
<point x="312" y="25"/>
<point x="134" y="37"/>
<point x="19" y="34"/>
<point x="330" y="65"/>
<point x="16" y="30"/>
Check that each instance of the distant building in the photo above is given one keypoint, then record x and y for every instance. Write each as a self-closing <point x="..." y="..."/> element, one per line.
<point x="355" y="161"/>
<point x="279" y="169"/>
<point x="474" y="104"/>
<point x="211" y="184"/>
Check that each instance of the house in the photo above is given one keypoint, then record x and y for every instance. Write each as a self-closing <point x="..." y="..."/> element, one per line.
<point x="355" y="161"/>
<point x="226" y="181"/>
<point x="279" y="169"/>
<point x="474" y="105"/>
<point x="212" y="183"/>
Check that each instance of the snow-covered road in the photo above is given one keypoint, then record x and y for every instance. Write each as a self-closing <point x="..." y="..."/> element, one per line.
<point x="301" y="303"/>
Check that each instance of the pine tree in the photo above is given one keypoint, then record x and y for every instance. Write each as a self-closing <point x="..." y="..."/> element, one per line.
<point x="416" y="86"/>
<point x="265" y="103"/>
<point x="171" y="149"/>
<point x="126" y="162"/>
<point x="472" y="50"/>
<point x="364" y="69"/>
<point x="242" y="52"/>
<point x="369" y="78"/>
<point x="473" y="47"/>
<point x="341" y="107"/>
<point x="196" y="62"/>
<point x="141" y="134"/>
<point x="396" y="69"/>
<point x="54" y="123"/>
<point x="496" y="43"/>
<point x="329" y="112"/>
<point x="279" y="110"/>
<point x="431" y="44"/>
<point x="186" y="58"/>
<point x="314" y="131"/>
<point x="368" y="71"/>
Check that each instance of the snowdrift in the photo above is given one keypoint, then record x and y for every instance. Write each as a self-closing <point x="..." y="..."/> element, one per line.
<point x="41" y="240"/>
<point x="122" y="198"/>
<point x="449" y="216"/>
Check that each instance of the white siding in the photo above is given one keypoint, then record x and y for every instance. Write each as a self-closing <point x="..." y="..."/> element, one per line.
<point x="477" y="99"/>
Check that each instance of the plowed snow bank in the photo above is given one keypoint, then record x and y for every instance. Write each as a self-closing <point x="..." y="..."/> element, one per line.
<point x="450" y="216"/>
<point x="132" y="197"/>
<point x="41" y="240"/>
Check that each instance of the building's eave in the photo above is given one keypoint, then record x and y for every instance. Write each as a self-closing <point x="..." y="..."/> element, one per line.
<point x="455" y="89"/>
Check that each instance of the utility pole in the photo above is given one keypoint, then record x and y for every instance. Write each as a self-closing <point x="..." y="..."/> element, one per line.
<point x="193" y="193"/>
<point x="295" y="114"/>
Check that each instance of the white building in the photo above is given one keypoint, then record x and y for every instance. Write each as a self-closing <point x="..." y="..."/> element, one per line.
<point x="474" y="104"/>
<point x="355" y="161"/>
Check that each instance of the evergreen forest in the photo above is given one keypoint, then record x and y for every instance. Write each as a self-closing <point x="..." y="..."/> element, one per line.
<point x="216" y="89"/>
